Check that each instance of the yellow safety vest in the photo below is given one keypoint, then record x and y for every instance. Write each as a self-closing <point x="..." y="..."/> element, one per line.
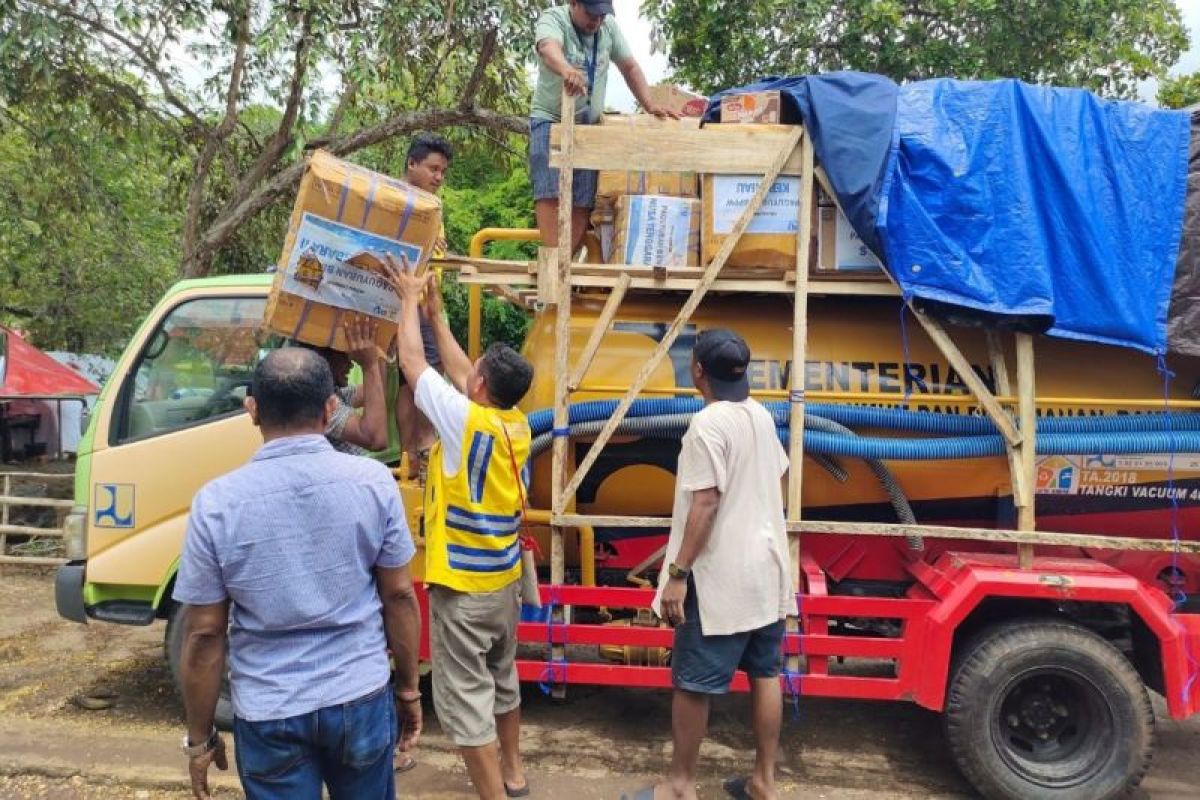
<point x="472" y="520"/>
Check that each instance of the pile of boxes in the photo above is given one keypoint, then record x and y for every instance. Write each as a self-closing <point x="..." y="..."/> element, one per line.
<point x="667" y="220"/>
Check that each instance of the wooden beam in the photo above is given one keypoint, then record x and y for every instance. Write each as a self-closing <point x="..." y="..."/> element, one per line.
<point x="796" y="395"/>
<point x="1003" y="535"/>
<point x="685" y="313"/>
<point x="39" y="502"/>
<point x="1004" y="389"/>
<point x="1026" y="392"/>
<point x="32" y="561"/>
<point x="547" y="276"/>
<point x="611" y="305"/>
<point x="672" y="149"/>
<point x="28" y="530"/>
<point x="961" y="365"/>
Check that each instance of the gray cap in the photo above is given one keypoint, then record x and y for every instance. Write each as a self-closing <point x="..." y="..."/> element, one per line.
<point x="598" y="7"/>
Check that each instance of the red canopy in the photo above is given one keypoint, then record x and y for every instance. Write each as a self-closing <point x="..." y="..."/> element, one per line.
<point x="26" y="371"/>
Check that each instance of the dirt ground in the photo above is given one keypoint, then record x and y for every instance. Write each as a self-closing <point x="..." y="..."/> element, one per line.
<point x="597" y="744"/>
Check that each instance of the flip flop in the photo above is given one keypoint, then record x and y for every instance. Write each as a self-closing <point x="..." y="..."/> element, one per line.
<point x="640" y="794"/>
<point x="400" y="767"/>
<point x="521" y="792"/>
<point x="736" y="787"/>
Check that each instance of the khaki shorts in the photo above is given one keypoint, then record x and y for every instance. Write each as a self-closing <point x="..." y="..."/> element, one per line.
<point x="473" y="643"/>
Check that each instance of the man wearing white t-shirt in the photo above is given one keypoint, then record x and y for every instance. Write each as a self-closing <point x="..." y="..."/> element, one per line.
<point x="725" y="584"/>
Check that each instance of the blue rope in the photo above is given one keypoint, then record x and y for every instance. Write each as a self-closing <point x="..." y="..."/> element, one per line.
<point x="1178" y="593"/>
<point x="791" y="678"/>
<point x="556" y="668"/>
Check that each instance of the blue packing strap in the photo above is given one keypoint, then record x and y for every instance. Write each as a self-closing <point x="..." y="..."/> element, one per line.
<point x="561" y="433"/>
<point x="556" y="668"/>
<point x="791" y="678"/>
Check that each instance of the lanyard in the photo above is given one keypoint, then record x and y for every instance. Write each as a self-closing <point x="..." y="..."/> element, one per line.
<point x="590" y="65"/>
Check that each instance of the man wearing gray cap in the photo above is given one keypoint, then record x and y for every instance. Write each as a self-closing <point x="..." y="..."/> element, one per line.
<point x="725" y="585"/>
<point x="575" y="44"/>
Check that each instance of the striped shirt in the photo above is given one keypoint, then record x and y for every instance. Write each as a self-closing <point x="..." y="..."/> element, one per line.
<point x="292" y="539"/>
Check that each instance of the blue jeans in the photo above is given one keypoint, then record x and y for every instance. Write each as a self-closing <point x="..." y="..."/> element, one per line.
<point x="347" y="747"/>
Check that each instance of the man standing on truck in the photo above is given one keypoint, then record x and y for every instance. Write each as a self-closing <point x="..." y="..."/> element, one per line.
<point x="575" y="44"/>
<point x="725" y="585"/>
<point x="474" y="501"/>
<point x="428" y="159"/>
<point x="302" y="557"/>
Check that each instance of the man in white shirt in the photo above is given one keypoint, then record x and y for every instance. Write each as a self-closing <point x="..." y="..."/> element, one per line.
<point x="725" y="584"/>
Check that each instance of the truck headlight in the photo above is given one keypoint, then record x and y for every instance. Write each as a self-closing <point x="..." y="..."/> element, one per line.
<point x="75" y="534"/>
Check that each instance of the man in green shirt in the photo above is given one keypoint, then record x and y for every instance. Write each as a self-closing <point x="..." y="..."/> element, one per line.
<point x="575" y="44"/>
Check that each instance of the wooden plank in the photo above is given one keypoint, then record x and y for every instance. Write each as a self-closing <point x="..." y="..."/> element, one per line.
<point x="796" y="395"/>
<point x="978" y="388"/>
<point x="562" y="355"/>
<point x="670" y="149"/>
<point x="685" y="314"/>
<point x="611" y="305"/>
<point x="39" y="502"/>
<point x="41" y="476"/>
<point x="4" y="516"/>
<point x="1026" y="392"/>
<point x="1002" y="535"/>
<point x="547" y="276"/>
<point x="27" y="530"/>
<point x="32" y="561"/>
<point x="1004" y="389"/>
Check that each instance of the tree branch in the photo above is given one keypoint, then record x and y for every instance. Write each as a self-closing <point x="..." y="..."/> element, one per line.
<point x="277" y="186"/>
<point x="193" y="265"/>
<point x="486" y="52"/>
<point x="278" y="142"/>
<point x="147" y="60"/>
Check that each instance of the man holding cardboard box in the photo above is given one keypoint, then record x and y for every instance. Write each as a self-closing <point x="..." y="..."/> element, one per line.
<point x="575" y="44"/>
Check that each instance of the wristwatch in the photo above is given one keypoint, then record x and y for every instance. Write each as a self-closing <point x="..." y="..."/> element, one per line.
<point x="207" y="746"/>
<point x="678" y="572"/>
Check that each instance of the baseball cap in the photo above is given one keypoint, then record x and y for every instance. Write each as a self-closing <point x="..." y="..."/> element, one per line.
<point x="724" y="357"/>
<point x="598" y="7"/>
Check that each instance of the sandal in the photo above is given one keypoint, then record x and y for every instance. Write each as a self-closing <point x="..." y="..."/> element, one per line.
<point x="736" y="787"/>
<point x="402" y="762"/>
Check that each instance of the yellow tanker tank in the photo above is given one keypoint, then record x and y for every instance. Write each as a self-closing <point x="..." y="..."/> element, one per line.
<point x="856" y="356"/>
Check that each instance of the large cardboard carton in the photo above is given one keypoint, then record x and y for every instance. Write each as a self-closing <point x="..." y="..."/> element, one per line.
<point x="770" y="240"/>
<point x="839" y="250"/>
<point x="346" y="218"/>
<point x="759" y="107"/>
<point x="681" y="101"/>
<point x="657" y="231"/>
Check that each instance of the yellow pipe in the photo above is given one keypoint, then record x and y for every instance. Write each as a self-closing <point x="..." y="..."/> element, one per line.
<point x="875" y="397"/>
<point x="475" y="292"/>
<point x="587" y="544"/>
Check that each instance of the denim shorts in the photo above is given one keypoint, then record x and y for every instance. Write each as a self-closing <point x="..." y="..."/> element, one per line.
<point x="706" y="664"/>
<point x="544" y="178"/>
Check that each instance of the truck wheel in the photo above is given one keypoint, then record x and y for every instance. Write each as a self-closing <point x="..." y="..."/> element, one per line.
<point x="173" y="644"/>
<point x="1048" y="709"/>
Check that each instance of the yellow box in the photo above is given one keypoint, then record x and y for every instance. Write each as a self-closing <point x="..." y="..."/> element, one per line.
<point x="771" y="239"/>
<point x="757" y="107"/>
<point x="345" y="219"/>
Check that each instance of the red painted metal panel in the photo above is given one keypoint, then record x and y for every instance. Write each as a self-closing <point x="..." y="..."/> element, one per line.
<point x="845" y="606"/>
<point x="596" y="634"/>
<point x="852" y="646"/>
<point x="852" y="687"/>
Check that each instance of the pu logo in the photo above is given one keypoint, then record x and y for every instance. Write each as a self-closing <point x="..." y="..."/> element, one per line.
<point x="113" y="504"/>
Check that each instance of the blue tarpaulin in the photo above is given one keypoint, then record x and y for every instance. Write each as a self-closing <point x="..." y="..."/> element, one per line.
<point x="1040" y="207"/>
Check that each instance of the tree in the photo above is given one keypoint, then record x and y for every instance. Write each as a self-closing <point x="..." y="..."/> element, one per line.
<point x="343" y="74"/>
<point x="1104" y="45"/>
<point x="1179" y="91"/>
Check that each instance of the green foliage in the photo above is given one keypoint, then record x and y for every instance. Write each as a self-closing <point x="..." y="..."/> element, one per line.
<point x="1104" y="45"/>
<point x="1180" y="91"/>
<point x="89" y="225"/>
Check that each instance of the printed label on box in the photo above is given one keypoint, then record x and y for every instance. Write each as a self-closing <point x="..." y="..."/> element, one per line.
<point x="780" y="212"/>
<point x="852" y="254"/>
<point x="317" y="268"/>
<point x="660" y="230"/>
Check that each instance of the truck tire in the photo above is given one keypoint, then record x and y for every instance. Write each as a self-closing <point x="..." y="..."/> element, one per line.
<point x="1048" y="709"/>
<point x="173" y="644"/>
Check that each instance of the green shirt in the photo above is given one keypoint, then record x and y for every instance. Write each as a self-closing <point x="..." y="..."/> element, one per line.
<point x="555" y="23"/>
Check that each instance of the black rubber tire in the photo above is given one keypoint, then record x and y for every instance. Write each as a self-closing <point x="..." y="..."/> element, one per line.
<point x="1041" y="708"/>
<point x="173" y="645"/>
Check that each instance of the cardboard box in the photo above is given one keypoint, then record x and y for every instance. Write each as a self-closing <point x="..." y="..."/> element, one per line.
<point x="657" y="231"/>
<point x="770" y="241"/>
<point x="602" y="224"/>
<point x="681" y="101"/>
<point x="839" y="250"/>
<point x="345" y="219"/>
<point x="759" y="107"/>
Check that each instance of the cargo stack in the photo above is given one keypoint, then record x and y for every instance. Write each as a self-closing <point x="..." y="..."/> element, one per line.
<point x="345" y="221"/>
